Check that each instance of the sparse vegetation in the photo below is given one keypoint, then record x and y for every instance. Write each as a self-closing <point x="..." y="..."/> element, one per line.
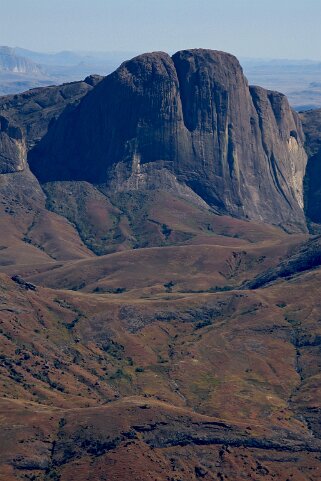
<point x="169" y="286"/>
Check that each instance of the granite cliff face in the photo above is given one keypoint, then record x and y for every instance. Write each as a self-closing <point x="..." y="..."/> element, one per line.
<point x="193" y="115"/>
<point x="13" y="152"/>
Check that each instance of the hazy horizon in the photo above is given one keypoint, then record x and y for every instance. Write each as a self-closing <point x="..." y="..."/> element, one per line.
<point x="106" y="52"/>
<point x="246" y="28"/>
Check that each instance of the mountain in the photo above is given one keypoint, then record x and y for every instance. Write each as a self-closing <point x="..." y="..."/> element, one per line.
<point x="69" y="58"/>
<point x="11" y="62"/>
<point x="160" y="292"/>
<point x="191" y="117"/>
<point x="19" y="73"/>
<point x="22" y="69"/>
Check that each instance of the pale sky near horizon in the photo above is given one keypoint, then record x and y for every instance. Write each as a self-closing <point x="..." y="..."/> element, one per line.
<point x="247" y="28"/>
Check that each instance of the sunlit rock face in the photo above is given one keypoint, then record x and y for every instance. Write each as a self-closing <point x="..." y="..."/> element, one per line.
<point x="13" y="153"/>
<point x="193" y="115"/>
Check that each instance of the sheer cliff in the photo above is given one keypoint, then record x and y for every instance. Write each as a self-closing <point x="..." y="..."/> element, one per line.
<point x="194" y="116"/>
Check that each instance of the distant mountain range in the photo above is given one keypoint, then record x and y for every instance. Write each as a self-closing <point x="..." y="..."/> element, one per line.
<point x="22" y="69"/>
<point x="11" y="61"/>
<point x="300" y="80"/>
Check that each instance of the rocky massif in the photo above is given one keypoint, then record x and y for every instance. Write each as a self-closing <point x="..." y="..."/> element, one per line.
<point x="192" y="118"/>
<point x="159" y="291"/>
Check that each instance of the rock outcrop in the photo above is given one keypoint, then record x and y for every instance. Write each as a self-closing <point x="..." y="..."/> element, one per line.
<point x="36" y="109"/>
<point x="13" y="153"/>
<point x="239" y="148"/>
<point x="25" y="119"/>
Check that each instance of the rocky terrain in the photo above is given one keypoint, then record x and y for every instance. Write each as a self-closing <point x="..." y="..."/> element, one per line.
<point x="159" y="278"/>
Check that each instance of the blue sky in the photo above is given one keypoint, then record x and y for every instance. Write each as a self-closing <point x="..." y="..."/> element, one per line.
<point x="247" y="28"/>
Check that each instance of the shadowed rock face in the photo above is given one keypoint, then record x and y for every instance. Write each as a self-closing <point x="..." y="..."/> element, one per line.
<point x="35" y="109"/>
<point x="311" y="122"/>
<point x="239" y="148"/>
<point x="24" y="120"/>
